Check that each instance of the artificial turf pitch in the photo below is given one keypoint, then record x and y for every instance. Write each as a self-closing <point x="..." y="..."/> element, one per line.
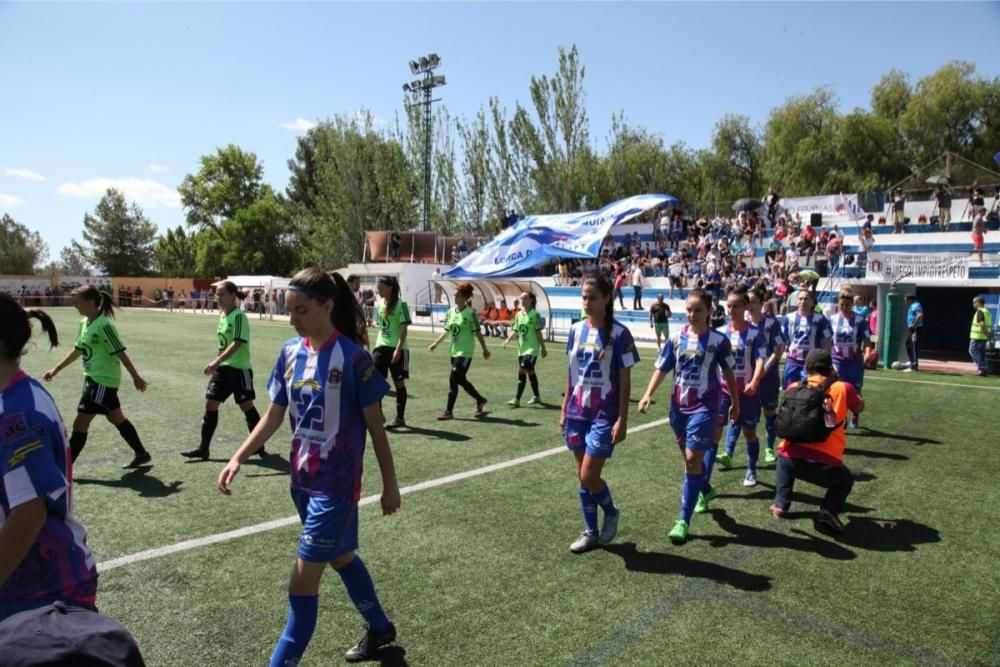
<point x="478" y="572"/>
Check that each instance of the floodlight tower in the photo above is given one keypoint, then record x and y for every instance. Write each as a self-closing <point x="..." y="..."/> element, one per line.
<point x="425" y="66"/>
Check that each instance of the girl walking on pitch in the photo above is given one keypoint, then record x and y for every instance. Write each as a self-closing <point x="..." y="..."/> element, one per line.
<point x="103" y="356"/>
<point x="749" y="351"/>
<point x="392" y="316"/>
<point x="805" y="330"/>
<point x="43" y="549"/>
<point x="594" y="415"/>
<point x="695" y="353"/>
<point x="463" y="326"/>
<point x="230" y="370"/>
<point x="328" y="382"/>
<point x="530" y="343"/>
<point x="850" y="338"/>
<point x="770" y="384"/>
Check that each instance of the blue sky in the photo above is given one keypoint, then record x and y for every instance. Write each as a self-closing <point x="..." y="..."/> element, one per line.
<point x="131" y="95"/>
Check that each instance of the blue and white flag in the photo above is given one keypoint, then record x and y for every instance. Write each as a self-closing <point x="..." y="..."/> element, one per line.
<point x="538" y="238"/>
<point x="852" y="209"/>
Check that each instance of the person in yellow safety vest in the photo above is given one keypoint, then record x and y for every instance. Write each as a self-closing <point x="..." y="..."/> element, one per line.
<point x="980" y="333"/>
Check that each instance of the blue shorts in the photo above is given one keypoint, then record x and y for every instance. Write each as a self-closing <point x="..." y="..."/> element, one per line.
<point x="593" y="439"/>
<point x="695" y="431"/>
<point x="329" y="527"/>
<point x="793" y="373"/>
<point x="851" y="373"/>
<point x="750" y="410"/>
<point x="768" y="392"/>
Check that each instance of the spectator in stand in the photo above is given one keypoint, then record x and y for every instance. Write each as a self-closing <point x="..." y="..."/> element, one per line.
<point x="493" y="318"/>
<point x="834" y="249"/>
<point x="484" y="317"/>
<point x="675" y="270"/>
<point x="504" y="318"/>
<point x="979" y="233"/>
<point x="898" y="216"/>
<point x="914" y="325"/>
<point x="619" y="283"/>
<point x="771" y="202"/>
<point x="638" y="280"/>
<point x="942" y="196"/>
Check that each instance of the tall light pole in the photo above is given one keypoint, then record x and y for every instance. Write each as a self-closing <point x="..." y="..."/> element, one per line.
<point x="426" y="84"/>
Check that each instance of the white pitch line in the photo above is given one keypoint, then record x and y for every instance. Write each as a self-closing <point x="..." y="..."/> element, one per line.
<point x="940" y="384"/>
<point x="188" y="545"/>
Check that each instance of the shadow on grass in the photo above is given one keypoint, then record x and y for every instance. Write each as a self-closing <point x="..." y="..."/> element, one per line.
<point x="488" y="418"/>
<point x="274" y="462"/>
<point x="876" y="455"/>
<point x="430" y="433"/>
<point x="877" y="534"/>
<point x="140" y="481"/>
<point x="767" y="493"/>
<point x="865" y="432"/>
<point x="745" y="535"/>
<point x="655" y="562"/>
<point x="392" y="656"/>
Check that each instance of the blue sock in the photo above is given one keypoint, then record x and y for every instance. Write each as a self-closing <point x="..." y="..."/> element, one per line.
<point x="709" y="463"/>
<point x="298" y="630"/>
<point x="732" y="435"/>
<point x="361" y="590"/>
<point x="689" y="495"/>
<point x="589" y="507"/>
<point x="769" y="427"/>
<point x="603" y="498"/>
<point x="753" y="453"/>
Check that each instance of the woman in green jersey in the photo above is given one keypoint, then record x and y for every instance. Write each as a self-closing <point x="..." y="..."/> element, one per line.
<point x="462" y="325"/>
<point x="230" y="370"/>
<point x="527" y="327"/>
<point x="392" y="317"/>
<point x="103" y="356"/>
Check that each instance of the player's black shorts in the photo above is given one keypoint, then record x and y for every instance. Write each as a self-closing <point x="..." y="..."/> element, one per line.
<point x="97" y="399"/>
<point x="227" y="381"/>
<point x="382" y="357"/>
<point x="527" y="361"/>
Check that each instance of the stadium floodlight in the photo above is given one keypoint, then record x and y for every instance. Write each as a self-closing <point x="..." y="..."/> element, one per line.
<point x="425" y="65"/>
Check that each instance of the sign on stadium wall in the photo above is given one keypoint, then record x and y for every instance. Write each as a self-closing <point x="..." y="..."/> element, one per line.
<point x="826" y="204"/>
<point x="890" y="266"/>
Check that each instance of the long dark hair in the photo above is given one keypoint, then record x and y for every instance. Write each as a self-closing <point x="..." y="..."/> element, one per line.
<point x="229" y="287"/>
<point x="16" y="329"/>
<point x="103" y="301"/>
<point x="393" y="285"/>
<point x="346" y="314"/>
<point x="604" y="286"/>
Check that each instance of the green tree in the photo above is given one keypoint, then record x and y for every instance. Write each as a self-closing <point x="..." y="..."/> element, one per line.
<point x="228" y="181"/>
<point x="799" y="156"/>
<point x="177" y="253"/>
<point x="891" y="95"/>
<point x="21" y="250"/>
<point x="118" y="238"/>
<point x="945" y="112"/>
<point x="736" y="157"/>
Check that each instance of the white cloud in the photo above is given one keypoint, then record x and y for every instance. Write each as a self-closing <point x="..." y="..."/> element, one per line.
<point x="158" y="168"/>
<point x="140" y="190"/>
<point x="9" y="201"/>
<point x="300" y="124"/>
<point x="26" y="174"/>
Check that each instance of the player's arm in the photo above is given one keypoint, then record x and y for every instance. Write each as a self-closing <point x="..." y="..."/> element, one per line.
<point x="541" y="344"/>
<point x="230" y="350"/>
<point x="437" y="342"/>
<point x="620" y="428"/>
<point x="655" y="381"/>
<point x="137" y="380"/>
<point x="734" y="409"/>
<point x="482" y="343"/>
<point x="266" y="427"/>
<point x="775" y="357"/>
<point x="70" y="358"/>
<point x="18" y="533"/>
<point x="380" y="444"/>
<point x="404" y="329"/>
<point x="509" y="338"/>
<point x="758" y="375"/>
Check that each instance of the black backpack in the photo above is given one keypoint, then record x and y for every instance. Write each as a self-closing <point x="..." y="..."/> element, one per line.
<point x="801" y="417"/>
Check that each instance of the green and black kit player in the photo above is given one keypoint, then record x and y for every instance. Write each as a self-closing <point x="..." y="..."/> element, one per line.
<point x="463" y="327"/>
<point x="530" y="343"/>
<point x="392" y="316"/>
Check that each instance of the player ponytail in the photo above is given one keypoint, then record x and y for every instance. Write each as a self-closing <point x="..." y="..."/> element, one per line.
<point x="16" y="329"/>
<point x="346" y="315"/>
<point x="603" y="285"/>
<point x="393" y="298"/>
<point x="101" y="299"/>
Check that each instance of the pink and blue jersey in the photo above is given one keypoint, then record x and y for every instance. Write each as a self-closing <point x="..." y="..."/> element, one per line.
<point x="325" y="391"/>
<point x="849" y="337"/>
<point x="593" y="382"/>
<point x="696" y="361"/>
<point x="747" y="347"/>
<point x="35" y="463"/>
<point x="804" y="334"/>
